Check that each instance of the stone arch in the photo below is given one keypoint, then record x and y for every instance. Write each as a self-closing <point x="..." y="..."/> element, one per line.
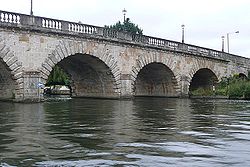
<point x="243" y="76"/>
<point x="11" y="78"/>
<point x="164" y="62"/>
<point x="202" y="63"/>
<point x="203" y="78"/>
<point x="94" y="51"/>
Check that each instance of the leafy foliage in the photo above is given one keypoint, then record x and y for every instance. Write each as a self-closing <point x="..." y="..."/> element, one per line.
<point x="127" y="26"/>
<point x="222" y="87"/>
<point x="247" y="91"/>
<point x="236" y="89"/>
<point x="240" y="89"/>
<point x="58" y="77"/>
<point x="233" y="87"/>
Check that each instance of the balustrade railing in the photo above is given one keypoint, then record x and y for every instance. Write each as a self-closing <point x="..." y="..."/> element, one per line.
<point x="82" y="28"/>
<point x="204" y="51"/>
<point x="109" y="33"/>
<point x="9" y="17"/>
<point x="140" y="38"/>
<point x="172" y="45"/>
<point x="51" y="23"/>
<point x="35" y="22"/>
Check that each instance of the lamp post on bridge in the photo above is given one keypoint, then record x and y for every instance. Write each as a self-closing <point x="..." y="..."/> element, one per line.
<point x="182" y="38"/>
<point x="124" y="11"/>
<point x="31" y="7"/>
<point x="236" y="32"/>
<point x="223" y="38"/>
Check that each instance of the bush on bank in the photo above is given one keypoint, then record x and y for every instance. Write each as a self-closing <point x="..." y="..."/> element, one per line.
<point x="233" y="87"/>
<point x="239" y="90"/>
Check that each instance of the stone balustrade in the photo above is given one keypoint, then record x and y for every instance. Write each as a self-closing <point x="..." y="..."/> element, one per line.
<point x="9" y="17"/>
<point x="12" y="19"/>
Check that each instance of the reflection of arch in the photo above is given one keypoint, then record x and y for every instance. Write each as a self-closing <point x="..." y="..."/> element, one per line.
<point x="10" y="74"/>
<point x="89" y="65"/>
<point x="153" y="76"/>
<point x="203" y="78"/>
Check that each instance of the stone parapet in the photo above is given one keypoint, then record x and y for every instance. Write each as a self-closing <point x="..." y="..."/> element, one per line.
<point x="11" y="19"/>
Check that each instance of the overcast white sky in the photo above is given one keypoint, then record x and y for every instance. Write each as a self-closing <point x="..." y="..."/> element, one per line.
<point x="205" y="20"/>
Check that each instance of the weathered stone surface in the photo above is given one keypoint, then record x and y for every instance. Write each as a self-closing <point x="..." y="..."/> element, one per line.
<point x="103" y="67"/>
<point x="24" y="38"/>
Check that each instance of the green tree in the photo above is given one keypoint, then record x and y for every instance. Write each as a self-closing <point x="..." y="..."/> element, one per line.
<point x="234" y="87"/>
<point x="127" y="26"/>
<point x="58" y="77"/>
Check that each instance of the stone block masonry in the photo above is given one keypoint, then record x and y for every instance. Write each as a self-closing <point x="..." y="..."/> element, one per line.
<point x="102" y="62"/>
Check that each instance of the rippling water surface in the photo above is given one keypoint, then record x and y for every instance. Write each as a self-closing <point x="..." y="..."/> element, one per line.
<point x="143" y="132"/>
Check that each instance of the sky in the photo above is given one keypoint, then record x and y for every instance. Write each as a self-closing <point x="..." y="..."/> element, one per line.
<point x="206" y="21"/>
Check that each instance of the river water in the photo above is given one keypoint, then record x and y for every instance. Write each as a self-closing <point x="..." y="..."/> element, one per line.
<point x="141" y="132"/>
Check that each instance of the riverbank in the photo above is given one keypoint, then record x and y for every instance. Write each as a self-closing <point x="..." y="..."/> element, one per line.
<point x="235" y="87"/>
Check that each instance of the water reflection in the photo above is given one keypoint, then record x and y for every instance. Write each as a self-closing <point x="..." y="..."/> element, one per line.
<point x="23" y="129"/>
<point x="142" y="132"/>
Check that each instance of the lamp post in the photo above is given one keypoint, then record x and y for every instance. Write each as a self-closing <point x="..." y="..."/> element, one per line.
<point x="31" y="7"/>
<point x="236" y="32"/>
<point x="182" y="39"/>
<point x="222" y="48"/>
<point x="124" y="11"/>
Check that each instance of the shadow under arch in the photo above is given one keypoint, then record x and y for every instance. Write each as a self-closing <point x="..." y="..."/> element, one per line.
<point x="243" y="76"/>
<point x="11" y="76"/>
<point x="203" y="78"/>
<point x="155" y="79"/>
<point x="7" y="82"/>
<point x="90" y="76"/>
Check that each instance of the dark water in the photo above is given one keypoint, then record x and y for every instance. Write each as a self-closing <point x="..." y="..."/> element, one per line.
<point x="143" y="132"/>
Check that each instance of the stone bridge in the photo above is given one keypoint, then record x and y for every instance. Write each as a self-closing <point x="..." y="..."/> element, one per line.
<point x="103" y="62"/>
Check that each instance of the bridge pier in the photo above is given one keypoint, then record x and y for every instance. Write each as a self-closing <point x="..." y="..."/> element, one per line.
<point x="184" y="82"/>
<point x="31" y="91"/>
<point x="126" y="87"/>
